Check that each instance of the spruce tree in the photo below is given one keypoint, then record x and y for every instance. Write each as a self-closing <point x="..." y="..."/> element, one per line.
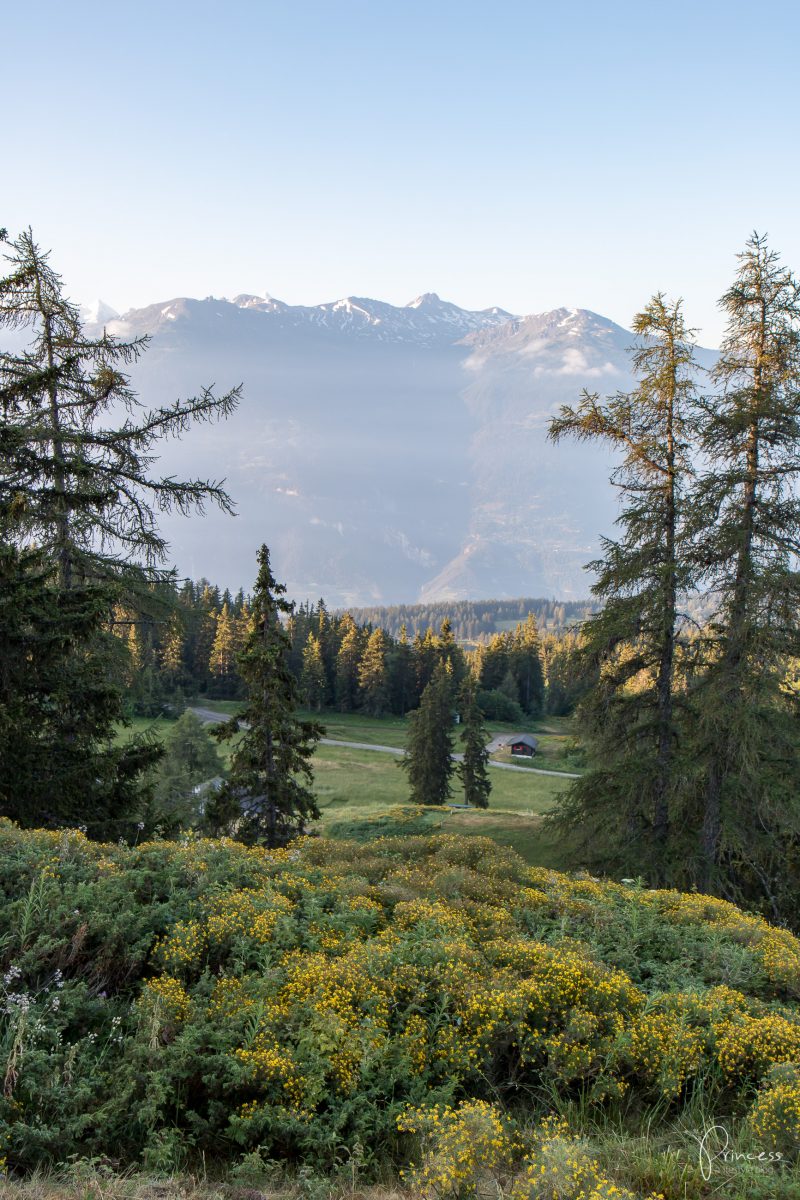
<point x="428" y="760"/>
<point x="425" y="652"/>
<point x="268" y="796"/>
<point x="450" y="652"/>
<point x="59" y="707"/>
<point x="402" y="681"/>
<point x="747" y="515"/>
<point x="620" y="811"/>
<point x="75" y="482"/>
<point x="473" y="769"/>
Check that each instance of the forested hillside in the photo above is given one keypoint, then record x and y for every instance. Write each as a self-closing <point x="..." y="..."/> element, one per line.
<point x="350" y="662"/>
<point x="473" y="620"/>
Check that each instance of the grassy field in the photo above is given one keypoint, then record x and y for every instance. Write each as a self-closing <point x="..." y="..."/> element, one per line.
<point x="557" y="751"/>
<point x="364" y="794"/>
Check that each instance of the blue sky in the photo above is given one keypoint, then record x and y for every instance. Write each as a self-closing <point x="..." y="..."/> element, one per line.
<point x="522" y="154"/>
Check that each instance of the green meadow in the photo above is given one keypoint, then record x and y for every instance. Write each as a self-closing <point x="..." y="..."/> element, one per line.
<point x="364" y="794"/>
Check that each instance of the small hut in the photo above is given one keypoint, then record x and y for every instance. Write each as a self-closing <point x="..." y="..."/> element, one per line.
<point x="522" y="745"/>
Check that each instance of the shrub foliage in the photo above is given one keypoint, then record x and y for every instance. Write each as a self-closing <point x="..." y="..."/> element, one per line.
<point x="168" y="999"/>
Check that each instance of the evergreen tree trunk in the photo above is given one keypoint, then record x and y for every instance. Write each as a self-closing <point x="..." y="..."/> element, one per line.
<point x="666" y="665"/>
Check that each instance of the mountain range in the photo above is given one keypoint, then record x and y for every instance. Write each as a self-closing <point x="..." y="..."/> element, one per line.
<point x="386" y="453"/>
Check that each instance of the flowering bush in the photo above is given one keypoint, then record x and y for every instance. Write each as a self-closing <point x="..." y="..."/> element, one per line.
<point x="204" y="996"/>
<point x="775" y="1117"/>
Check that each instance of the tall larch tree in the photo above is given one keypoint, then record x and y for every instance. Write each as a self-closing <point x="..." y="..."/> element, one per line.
<point x="75" y="482"/>
<point x="620" y="810"/>
<point x="313" y="684"/>
<point x="170" y="657"/>
<point x="748" y="522"/>
<point x="347" y="662"/>
<point x="222" y="659"/>
<point x="80" y="474"/>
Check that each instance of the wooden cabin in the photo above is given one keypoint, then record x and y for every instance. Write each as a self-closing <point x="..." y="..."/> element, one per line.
<point x="523" y="745"/>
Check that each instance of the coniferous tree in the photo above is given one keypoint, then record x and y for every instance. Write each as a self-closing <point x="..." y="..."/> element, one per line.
<point x="204" y="635"/>
<point x="428" y="760"/>
<point x="347" y="661"/>
<point x="495" y="663"/>
<point x="621" y="809"/>
<point x="450" y="652"/>
<point x="268" y="796"/>
<point x="58" y="706"/>
<point x="568" y="673"/>
<point x="402" y="683"/>
<point x="79" y="476"/>
<point x="473" y="769"/>
<point x="190" y="758"/>
<point x="313" y="684"/>
<point x="527" y="666"/>
<point x="748" y="521"/>
<point x="222" y="659"/>
<point x="372" y="676"/>
<point x="75" y="483"/>
<point x="171" y="653"/>
<point x="327" y="642"/>
<point x="509" y="686"/>
<point x="425" y="653"/>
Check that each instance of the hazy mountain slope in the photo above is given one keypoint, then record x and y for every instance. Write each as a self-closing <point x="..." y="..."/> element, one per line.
<point x="388" y="454"/>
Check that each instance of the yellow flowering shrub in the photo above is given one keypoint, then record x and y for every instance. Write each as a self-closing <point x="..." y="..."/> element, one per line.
<point x="559" y="1166"/>
<point x="170" y="994"/>
<point x="775" y="1117"/>
<point x="269" y="1063"/>
<point x="457" y="1146"/>
<point x="297" y="1000"/>
<point x="747" y="1046"/>
<point x="665" y="1050"/>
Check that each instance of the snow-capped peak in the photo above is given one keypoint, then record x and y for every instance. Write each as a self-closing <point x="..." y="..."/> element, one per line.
<point x="97" y="312"/>
<point x="426" y="300"/>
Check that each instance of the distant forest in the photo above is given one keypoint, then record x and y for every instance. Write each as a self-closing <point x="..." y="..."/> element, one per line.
<point x="348" y="662"/>
<point x="474" y="620"/>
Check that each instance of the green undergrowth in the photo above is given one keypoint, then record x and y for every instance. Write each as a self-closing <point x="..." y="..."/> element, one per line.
<point x="324" y="1017"/>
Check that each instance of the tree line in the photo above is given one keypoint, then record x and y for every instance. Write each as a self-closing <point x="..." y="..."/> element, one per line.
<point x="338" y="663"/>
<point x="472" y="620"/>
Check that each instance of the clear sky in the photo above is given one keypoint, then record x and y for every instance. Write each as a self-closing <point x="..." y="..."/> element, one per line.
<point x="517" y="153"/>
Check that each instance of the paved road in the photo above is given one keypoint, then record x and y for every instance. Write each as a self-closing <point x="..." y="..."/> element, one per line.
<point x="214" y="718"/>
<point x="207" y="715"/>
